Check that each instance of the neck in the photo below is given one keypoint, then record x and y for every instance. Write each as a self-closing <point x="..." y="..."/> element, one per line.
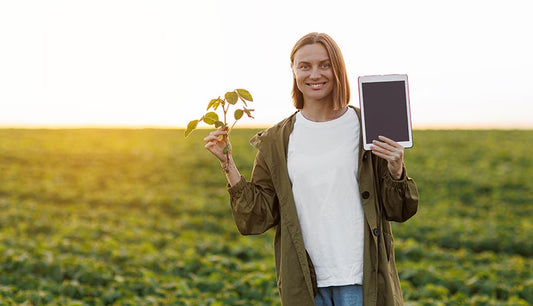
<point x="321" y="112"/>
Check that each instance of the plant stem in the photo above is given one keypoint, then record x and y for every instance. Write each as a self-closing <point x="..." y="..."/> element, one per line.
<point x="226" y="136"/>
<point x="225" y="110"/>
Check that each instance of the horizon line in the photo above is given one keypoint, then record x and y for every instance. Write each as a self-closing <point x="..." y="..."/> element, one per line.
<point x="436" y="126"/>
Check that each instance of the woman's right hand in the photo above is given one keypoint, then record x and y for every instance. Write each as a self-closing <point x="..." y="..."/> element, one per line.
<point x="215" y="143"/>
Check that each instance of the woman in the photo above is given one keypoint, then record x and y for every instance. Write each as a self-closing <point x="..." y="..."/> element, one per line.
<point x="331" y="202"/>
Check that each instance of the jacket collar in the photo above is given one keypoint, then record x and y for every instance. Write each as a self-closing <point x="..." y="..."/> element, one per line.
<point x="283" y="129"/>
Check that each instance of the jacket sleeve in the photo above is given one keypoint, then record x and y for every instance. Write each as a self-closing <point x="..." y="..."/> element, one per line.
<point x="399" y="197"/>
<point x="254" y="204"/>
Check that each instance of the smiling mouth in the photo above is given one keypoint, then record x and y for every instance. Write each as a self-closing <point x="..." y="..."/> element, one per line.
<point x="316" y="85"/>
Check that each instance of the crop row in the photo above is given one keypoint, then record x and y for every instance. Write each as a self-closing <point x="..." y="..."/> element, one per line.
<point x="141" y="217"/>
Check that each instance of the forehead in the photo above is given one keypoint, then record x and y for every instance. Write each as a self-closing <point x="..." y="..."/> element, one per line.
<point x="311" y="53"/>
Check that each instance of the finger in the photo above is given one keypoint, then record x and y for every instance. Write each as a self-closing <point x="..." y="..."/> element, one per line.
<point x="379" y="150"/>
<point x="389" y="141"/>
<point x="391" y="153"/>
<point x="212" y="138"/>
<point x="211" y="146"/>
<point x="219" y="133"/>
<point x="385" y="153"/>
<point x="386" y="157"/>
<point x="214" y="148"/>
<point x="383" y="145"/>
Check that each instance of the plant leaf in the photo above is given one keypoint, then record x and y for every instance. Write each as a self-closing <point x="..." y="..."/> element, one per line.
<point x="219" y="124"/>
<point x="245" y="94"/>
<point x="190" y="127"/>
<point x="210" y="118"/>
<point x="238" y="114"/>
<point x="226" y="149"/>
<point x="211" y="104"/>
<point x="248" y="112"/>
<point x="231" y="97"/>
<point x="216" y="104"/>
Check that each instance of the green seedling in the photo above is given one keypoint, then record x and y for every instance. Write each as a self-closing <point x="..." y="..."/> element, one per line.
<point x="212" y="118"/>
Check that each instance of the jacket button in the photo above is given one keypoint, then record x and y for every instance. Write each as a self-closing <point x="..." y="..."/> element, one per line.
<point x="376" y="232"/>
<point x="366" y="195"/>
<point x="364" y="156"/>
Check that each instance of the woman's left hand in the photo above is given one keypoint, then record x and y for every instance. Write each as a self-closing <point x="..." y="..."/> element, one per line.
<point x="392" y="152"/>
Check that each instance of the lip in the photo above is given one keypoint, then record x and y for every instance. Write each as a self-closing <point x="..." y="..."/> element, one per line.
<point x="316" y="85"/>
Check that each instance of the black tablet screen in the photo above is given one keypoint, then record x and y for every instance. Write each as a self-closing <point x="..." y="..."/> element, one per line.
<point x="385" y="110"/>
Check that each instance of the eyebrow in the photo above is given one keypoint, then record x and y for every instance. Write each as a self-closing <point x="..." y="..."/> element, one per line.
<point x="307" y="62"/>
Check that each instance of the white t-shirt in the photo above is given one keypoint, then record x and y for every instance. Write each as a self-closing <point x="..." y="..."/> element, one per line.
<point x="322" y="163"/>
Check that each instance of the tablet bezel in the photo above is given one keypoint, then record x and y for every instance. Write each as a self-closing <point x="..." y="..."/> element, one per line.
<point x="385" y="78"/>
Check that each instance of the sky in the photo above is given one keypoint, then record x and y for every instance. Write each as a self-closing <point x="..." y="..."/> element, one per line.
<point x="158" y="63"/>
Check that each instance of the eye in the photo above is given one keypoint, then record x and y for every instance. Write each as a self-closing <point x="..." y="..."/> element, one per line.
<point x="326" y="65"/>
<point x="304" y="66"/>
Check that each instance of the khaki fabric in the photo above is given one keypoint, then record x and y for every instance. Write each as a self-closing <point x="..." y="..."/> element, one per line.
<point x="266" y="201"/>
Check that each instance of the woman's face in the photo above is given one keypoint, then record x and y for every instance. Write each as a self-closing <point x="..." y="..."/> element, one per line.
<point x="313" y="73"/>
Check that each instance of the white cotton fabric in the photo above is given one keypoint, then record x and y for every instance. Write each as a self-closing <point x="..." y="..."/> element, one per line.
<point x="322" y="162"/>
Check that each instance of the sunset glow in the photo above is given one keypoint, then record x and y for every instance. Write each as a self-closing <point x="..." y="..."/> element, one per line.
<point x="147" y="64"/>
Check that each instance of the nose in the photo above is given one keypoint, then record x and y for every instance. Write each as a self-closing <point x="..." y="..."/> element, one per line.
<point x="315" y="73"/>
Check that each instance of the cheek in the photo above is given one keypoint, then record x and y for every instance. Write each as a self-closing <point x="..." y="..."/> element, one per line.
<point x="299" y="80"/>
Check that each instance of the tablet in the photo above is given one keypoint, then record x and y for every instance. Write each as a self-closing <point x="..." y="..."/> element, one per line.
<point x="385" y="110"/>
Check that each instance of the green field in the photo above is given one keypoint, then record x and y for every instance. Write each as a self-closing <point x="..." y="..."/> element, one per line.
<point x="141" y="217"/>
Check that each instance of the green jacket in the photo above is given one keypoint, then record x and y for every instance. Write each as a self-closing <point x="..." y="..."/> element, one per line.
<point x="267" y="201"/>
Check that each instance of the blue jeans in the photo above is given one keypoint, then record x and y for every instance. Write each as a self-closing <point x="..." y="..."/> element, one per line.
<point x="351" y="295"/>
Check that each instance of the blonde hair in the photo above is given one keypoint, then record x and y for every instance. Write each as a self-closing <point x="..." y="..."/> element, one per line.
<point x="341" y="88"/>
